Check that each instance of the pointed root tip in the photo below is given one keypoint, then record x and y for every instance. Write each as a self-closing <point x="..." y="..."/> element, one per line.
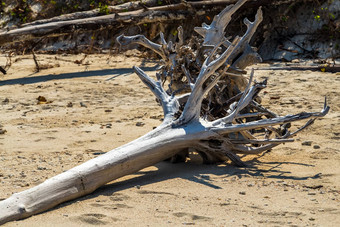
<point x="259" y="13"/>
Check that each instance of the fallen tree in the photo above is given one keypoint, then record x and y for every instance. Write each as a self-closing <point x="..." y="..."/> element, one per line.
<point x="120" y="16"/>
<point x="93" y="20"/>
<point x="204" y="112"/>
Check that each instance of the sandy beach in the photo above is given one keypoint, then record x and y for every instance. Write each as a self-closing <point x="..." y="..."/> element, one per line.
<point x="87" y="109"/>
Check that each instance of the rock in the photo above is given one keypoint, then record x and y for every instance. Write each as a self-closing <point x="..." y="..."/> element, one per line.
<point x="139" y="124"/>
<point x="306" y="143"/>
<point x="316" y="146"/>
<point x="70" y="104"/>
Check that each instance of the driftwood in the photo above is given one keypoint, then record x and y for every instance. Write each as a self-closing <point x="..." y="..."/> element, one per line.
<point x="137" y="13"/>
<point x="321" y="68"/>
<point x="213" y="119"/>
<point x="129" y="6"/>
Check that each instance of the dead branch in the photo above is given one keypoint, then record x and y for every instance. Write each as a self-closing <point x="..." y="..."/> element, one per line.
<point x="139" y="14"/>
<point x="125" y="7"/>
<point x="321" y="68"/>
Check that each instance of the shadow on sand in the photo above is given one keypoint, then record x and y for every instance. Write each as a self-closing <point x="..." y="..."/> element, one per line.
<point x="196" y="173"/>
<point x="44" y="78"/>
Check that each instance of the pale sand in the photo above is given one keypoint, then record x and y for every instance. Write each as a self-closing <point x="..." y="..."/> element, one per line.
<point x="44" y="140"/>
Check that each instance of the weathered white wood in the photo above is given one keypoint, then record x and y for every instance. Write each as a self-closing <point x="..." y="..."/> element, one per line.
<point x="268" y="122"/>
<point x="170" y="104"/>
<point x="155" y="146"/>
<point x="214" y="33"/>
<point x="142" y="40"/>
<point x="193" y="106"/>
<point x="251" y="28"/>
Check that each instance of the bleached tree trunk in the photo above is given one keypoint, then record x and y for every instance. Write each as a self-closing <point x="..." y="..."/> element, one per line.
<point x="157" y="145"/>
<point x="215" y="137"/>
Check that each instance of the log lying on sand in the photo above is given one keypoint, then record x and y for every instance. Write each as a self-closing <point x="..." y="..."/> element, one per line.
<point x="214" y="118"/>
<point x="320" y="68"/>
<point x="127" y="14"/>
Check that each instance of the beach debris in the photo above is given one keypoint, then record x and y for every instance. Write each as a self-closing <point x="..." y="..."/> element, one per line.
<point x="41" y="100"/>
<point x="307" y="143"/>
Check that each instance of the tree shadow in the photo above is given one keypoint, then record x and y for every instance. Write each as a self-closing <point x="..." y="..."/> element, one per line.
<point x="199" y="173"/>
<point x="44" y="78"/>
